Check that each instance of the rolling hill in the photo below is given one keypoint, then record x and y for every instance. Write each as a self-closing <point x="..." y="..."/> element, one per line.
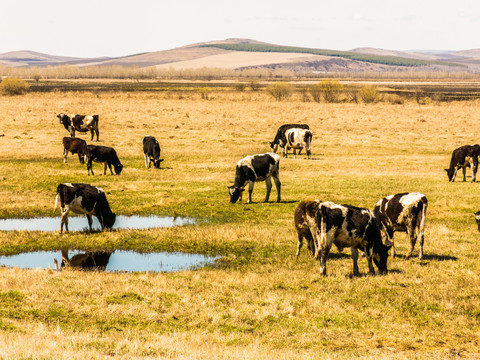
<point x="246" y="53"/>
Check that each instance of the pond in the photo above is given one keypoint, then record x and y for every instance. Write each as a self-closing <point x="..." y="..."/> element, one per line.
<point x="76" y="223"/>
<point x="117" y="261"/>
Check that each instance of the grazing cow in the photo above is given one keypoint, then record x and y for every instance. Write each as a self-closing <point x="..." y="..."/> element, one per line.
<point x="297" y="139"/>
<point x="90" y="260"/>
<point x="151" y="151"/>
<point x="345" y="226"/>
<point x="261" y="167"/>
<point x="81" y="123"/>
<point x="463" y="157"/>
<point x="477" y="219"/>
<point x="84" y="199"/>
<point x="103" y="154"/>
<point x="280" y="138"/>
<point x="404" y="212"/>
<point x="75" y="146"/>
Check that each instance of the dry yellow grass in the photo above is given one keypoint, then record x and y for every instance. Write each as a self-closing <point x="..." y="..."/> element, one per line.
<point x="259" y="302"/>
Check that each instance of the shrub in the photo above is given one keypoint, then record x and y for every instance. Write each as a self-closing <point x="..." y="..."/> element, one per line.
<point x="13" y="86"/>
<point x="368" y="93"/>
<point x="316" y="92"/>
<point x="240" y="86"/>
<point x="351" y="92"/>
<point x="330" y="90"/>
<point x="280" y="91"/>
<point x="304" y="95"/>
<point x="254" y="85"/>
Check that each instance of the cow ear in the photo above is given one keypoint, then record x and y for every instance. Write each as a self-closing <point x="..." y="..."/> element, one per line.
<point x="389" y="246"/>
<point x="230" y="187"/>
<point x="241" y="189"/>
<point x="446" y="170"/>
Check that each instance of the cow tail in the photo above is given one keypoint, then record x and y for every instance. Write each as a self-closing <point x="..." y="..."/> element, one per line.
<point x="423" y="215"/>
<point x="322" y="225"/>
<point x="308" y="139"/>
<point x="56" y="202"/>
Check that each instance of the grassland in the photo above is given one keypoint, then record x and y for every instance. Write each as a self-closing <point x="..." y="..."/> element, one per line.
<point x="257" y="301"/>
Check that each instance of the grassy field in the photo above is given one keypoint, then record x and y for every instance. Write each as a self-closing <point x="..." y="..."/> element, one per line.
<point x="257" y="301"/>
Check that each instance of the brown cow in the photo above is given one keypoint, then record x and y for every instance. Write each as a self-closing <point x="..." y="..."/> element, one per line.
<point x="75" y="146"/>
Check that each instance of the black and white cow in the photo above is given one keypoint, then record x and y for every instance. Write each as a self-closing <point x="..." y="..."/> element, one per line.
<point x="345" y="226"/>
<point x="463" y="157"/>
<point x="81" y="123"/>
<point x="297" y="139"/>
<point x="151" y="151"/>
<point x="84" y="199"/>
<point x="75" y="146"/>
<point x="280" y="135"/>
<point x="405" y="212"/>
<point x="103" y="154"/>
<point x="261" y="167"/>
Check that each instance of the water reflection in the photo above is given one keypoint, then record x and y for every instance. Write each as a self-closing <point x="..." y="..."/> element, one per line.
<point x="77" y="223"/>
<point x="125" y="261"/>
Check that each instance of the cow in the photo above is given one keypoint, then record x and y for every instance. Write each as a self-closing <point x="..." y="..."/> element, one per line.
<point x="345" y="226"/>
<point x="477" y="219"/>
<point x="404" y="212"/>
<point x="463" y="157"/>
<point x="103" y="154"/>
<point x="81" y="123"/>
<point x="280" y="135"/>
<point x="151" y="151"/>
<point x="260" y="167"/>
<point x="75" y="146"/>
<point x="297" y="139"/>
<point x="90" y="260"/>
<point x="84" y="199"/>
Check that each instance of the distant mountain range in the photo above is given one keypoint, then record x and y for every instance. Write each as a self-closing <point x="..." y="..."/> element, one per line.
<point x="246" y="53"/>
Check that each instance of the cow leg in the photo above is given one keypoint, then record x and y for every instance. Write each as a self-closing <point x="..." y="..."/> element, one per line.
<point x="284" y="151"/>
<point x="473" y="166"/>
<point x="147" y="162"/>
<point x="454" y="174"/>
<point x="310" y="244"/>
<point x="64" y="219"/>
<point x="89" y="219"/>
<point x="299" y="244"/>
<point x="278" y="185"/>
<point x="105" y="169"/>
<point x="369" y="255"/>
<point x="250" y="190"/>
<point x="268" y="183"/>
<point x="323" y="253"/>
<point x="413" y="240"/>
<point x="89" y="167"/>
<point x="65" y="154"/>
<point x="464" y="170"/>
<point x="354" y="252"/>
<point x="97" y="132"/>
<point x="294" y="153"/>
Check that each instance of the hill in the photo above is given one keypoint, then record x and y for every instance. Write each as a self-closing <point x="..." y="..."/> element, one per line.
<point x="247" y="53"/>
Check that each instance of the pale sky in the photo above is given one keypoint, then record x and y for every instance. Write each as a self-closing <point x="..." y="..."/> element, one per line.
<point x="91" y="28"/>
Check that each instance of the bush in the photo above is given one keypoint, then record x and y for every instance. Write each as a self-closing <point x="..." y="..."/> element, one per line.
<point x="280" y="91"/>
<point x="254" y="85"/>
<point x="13" y="86"/>
<point x="368" y="93"/>
<point x="240" y="86"/>
<point x="316" y="92"/>
<point x="330" y="90"/>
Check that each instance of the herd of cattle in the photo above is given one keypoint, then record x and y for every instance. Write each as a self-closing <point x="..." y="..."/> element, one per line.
<point x="321" y="223"/>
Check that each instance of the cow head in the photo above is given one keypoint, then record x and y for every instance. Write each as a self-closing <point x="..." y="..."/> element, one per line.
<point x="118" y="168"/>
<point x="109" y="220"/>
<point x="477" y="219"/>
<point x="274" y="146"/>
<point x="380" y="257"/>
<point x="235" y="192"/>
<point x="64" y="120"/>
<point x="156" y="163"/>
<point x="450" y="173"/>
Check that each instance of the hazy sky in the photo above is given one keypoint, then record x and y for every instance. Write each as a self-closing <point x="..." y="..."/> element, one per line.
<point x="90" y="28"/>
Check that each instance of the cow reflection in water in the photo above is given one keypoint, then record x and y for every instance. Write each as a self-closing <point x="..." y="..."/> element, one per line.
<point x="90" y="260"/>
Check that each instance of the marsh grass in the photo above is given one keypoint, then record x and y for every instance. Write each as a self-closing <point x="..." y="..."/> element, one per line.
<point x="257" y="300"/>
